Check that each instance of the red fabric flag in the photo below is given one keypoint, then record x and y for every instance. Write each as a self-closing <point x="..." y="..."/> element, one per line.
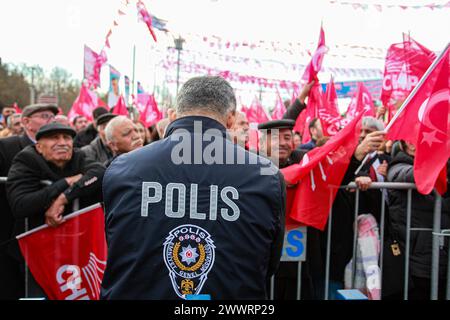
<point x="424" y="122"/>
<point x="146" y="17"/>
<point x="406" y="63"/>
<point x="332" y="99"/>
<point x="256" y="112"/>
<point x="280" y="108"/>
<point x="85" y="103"/>
<point x="68" y="262"/>
<point x="311" y="112"/>
<point x="328" y="111"/>
<point x="16" y="108"/>
<point x="321" y="168"/>
<point x="361" y="102"/>
<point x="313" y="68"/>
<point x="151" y="114"/>
<point x="120" y="108"/>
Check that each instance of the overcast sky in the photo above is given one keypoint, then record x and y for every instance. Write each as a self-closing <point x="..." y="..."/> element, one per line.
<point x="52" y="32"/>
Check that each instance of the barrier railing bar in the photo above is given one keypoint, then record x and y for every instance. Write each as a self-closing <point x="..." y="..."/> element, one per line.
<point x="382" y="223"/>
<point x="327" y="262"/>
<point x="408" y="239"/>
<point x="272" y="287"/>
<point x="435" y="250"/>
<point x="355" y="239"/>
<point x="299" y="281"/>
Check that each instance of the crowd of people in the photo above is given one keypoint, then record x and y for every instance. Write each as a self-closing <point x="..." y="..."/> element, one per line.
<point x="49" y="162"/>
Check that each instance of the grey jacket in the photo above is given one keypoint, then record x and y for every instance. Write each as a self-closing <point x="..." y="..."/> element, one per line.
<point x="96" y="151"/>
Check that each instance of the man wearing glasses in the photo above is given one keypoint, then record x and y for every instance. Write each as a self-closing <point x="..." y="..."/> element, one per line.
<point x="33" y="118"/>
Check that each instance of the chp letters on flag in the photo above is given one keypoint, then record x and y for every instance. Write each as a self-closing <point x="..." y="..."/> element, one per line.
<point x="68" y="262"/>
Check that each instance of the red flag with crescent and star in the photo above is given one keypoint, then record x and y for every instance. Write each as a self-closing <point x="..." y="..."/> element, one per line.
<point x="424" y="122"/>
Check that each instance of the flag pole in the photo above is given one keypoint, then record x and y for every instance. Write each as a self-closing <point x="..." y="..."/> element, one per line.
<point x="134" y="68"/>
<point x="408" y="99"/>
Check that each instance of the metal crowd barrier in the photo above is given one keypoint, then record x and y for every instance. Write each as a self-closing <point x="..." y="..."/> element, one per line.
<point x="437" y="234"/>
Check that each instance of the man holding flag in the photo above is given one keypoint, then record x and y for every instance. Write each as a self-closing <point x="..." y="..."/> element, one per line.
<point x="51" y="159"/>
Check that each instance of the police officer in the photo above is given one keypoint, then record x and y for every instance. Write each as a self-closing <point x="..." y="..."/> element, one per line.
<point x="193" y="213"/>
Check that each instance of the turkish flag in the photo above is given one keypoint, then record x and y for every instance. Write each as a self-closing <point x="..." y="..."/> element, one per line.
<point x="120" y="108"/>
<point x="320" y="169"/>
<point x="146" y="17"/>
<point x="406" y="63"/>
<point x="84" y="105"/>
<point x="424" y="122"/>
<point x="68" y="262"/>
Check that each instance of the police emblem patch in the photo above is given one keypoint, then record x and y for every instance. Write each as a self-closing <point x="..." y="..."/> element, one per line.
<point x="189" y="256"/>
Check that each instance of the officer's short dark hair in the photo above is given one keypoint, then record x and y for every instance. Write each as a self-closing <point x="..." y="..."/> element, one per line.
<point x="213" y="94"/>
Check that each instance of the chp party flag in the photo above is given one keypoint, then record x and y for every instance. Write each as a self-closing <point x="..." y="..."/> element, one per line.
<point x="256" y="112"/>
<point x="314" y="66"/>
<point x="319" y="170"/>
<point x="68" y="262"/>
<point x="151" y="114"/>
<point x="280" y="108"/>
<point x="424" y="121"/>
<point x="84" y="105"/>
<point x="328" y="111"/>
<point x="361" y="102"/>
<point x="406" y="63"/>
<point x="120" y="108"/>
<point x="93" y="63"/>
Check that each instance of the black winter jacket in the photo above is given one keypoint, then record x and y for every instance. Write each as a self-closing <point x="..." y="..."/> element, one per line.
<point x="174" y="229"/>
<point x="401" y="170"/>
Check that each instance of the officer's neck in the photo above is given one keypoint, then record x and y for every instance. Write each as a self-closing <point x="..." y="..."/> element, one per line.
<point x="203" y="113"/>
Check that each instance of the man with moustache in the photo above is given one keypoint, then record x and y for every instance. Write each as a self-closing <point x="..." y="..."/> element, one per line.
<point x="71" y="177"/>
<point x="122" y="136"/>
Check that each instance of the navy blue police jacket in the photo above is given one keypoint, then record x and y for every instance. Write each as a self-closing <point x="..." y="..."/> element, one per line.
<point x="192" y="214"/>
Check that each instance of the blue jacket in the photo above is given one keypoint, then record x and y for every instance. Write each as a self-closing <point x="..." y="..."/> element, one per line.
<point x="177" y="228"/>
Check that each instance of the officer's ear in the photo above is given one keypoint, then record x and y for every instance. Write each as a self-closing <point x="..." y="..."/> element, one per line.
<point x="231" y="119"/>
<point x="171" y="114"/>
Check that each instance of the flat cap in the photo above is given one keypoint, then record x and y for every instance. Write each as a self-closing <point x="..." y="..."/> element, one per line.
<point x="33" y="108"/>
<point x="104" y="118"/>
<point x="54" y="127"/>
<point x="277" y="124"/>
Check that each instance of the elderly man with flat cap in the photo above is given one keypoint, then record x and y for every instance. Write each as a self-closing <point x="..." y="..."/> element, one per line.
<point x="98" y="150"/>
<point x="70" y="174"/>
<point x="33" y="118"/>
<point x="276" y="142"/>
